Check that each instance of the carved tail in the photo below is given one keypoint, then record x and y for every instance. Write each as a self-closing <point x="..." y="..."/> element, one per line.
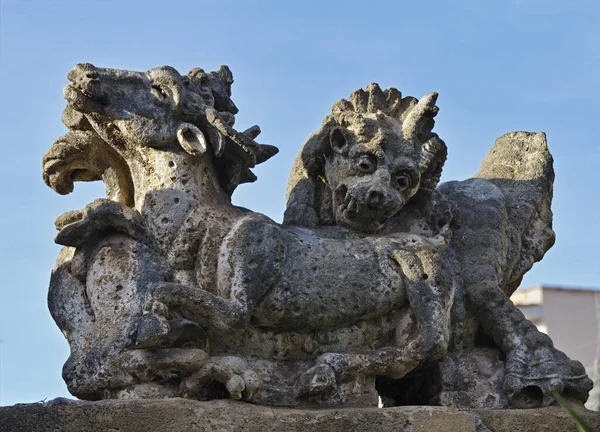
<point x="521" y="166"/>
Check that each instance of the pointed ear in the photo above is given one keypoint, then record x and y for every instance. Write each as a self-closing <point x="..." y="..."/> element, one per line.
<point x="191" y="139"/>
<point x="432" y="159"/>
<point x="338" y="141"/>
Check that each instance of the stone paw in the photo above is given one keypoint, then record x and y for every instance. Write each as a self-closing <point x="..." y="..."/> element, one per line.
<point x="319" y="379"/>
<point x="80" y="227"/>
<point x="338" y="362"/>
<point x="532" y="377"/>
<point x="239" y="381"/>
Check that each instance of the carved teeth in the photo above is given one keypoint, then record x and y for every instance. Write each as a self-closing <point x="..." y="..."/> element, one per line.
<point x="351" y="205"/>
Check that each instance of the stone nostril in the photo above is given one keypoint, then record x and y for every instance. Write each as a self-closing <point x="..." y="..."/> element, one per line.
<point x="375" y="198"/>
<point x="73" y="75"/>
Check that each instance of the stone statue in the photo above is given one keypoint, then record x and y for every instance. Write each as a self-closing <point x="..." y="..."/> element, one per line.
<point x="379" y="282"/>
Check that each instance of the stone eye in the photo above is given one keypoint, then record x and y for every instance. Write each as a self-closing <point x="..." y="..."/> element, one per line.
<point x="159" y="92"/>
<point x="367" y="164"/>
<point x="403" y="181"/>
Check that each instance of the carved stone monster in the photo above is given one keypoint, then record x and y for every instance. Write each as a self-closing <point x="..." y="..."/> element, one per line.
<point x="371" y="156"/>
<point x="500" y="225"/>
<point x="167" y="289"/>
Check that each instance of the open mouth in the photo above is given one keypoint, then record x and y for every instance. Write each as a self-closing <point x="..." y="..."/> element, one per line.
<point x="359" y="224"/>
<point x="82" y="99"/>
<point x="356" y="215"/>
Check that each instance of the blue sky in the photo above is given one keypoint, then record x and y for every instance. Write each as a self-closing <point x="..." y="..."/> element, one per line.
<point x="498" y="66"/>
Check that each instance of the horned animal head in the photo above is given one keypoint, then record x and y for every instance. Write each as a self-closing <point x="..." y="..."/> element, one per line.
<point x="371" y="155"/>
<point x="160" y="107"/>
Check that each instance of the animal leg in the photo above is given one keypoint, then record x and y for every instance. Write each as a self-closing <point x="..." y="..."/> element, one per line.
<point x="208" y="310"/>
<point x="531" y="359"/>
<point x="351" y="376"/>
<point x="390" y="361"/>
<point x="430" y="294"/>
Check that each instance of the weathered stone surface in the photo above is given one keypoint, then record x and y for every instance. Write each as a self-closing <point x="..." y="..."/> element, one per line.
<point x="378" y="281"/>
<point x="176" y="415"/>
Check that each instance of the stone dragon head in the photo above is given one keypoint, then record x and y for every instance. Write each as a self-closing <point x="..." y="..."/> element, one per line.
<point x="372" y="154"/>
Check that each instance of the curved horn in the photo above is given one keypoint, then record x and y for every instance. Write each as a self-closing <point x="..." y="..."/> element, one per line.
<point x="420" y="119"/>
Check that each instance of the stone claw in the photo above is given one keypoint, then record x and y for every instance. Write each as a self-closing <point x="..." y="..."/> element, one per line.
<point x="338" y="362"/>
<point x="232" y="372"/>
<point x="319" y="379"/>
<point x="83" y="226"/>
<point x="533" y="377"/>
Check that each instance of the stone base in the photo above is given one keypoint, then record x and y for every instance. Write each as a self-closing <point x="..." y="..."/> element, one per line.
<point x="63" y="415"/>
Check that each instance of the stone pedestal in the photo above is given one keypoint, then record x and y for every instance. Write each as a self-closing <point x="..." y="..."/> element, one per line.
<point x="173" y="415"/>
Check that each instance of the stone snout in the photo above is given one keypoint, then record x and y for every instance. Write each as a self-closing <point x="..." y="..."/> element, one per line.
<point x="366" y="203"/>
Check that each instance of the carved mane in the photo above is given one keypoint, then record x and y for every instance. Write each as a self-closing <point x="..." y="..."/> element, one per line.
<point x="209" y="106"/>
